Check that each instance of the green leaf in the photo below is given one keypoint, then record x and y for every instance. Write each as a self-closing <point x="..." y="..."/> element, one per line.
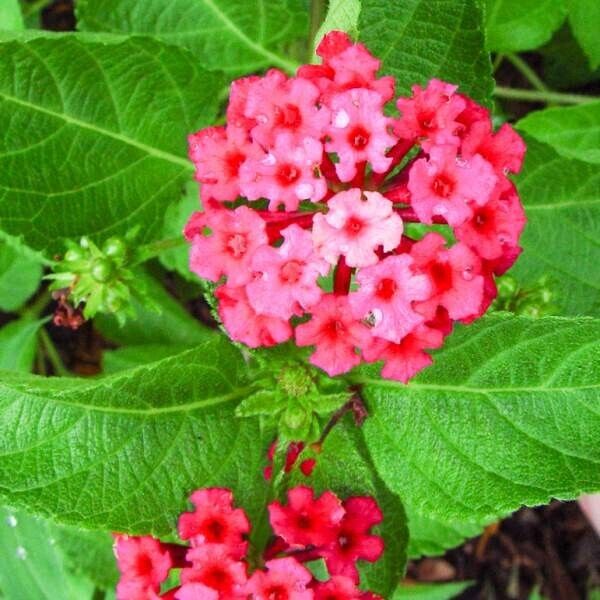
<point x="33" y="566"/>
<point x="176" y="216"/>
<point x="111" y="117"/>
<point x="431" y="537"/>
<point x="573" y="132"/>
<point x="345" y="467"/>
<point x="11" y="18"/>
<point x="114" y="361"/>
<point x="421" y="39"/>
<point x="562" y="202"/>
<point x="19" y="278"/>
<point x="18" y="342"/>
<point x="564" y="63"/>
<point x="87" y="553"/>
<point x="584" y="16"/>
<point x="516" y="25"/>
<point x="123" y="452"/>
<point x="435" y="591"/>
<point x="172" y="326"/>
<point x="235" y="36"/>
<point x="509" y="414"/>
<point x="341" y="15"/>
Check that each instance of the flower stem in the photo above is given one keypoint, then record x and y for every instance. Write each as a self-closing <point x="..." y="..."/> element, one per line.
<point x="52" y="354"/>
<point x="153" y="249"/>
<point x="545" y="97"/>
<point x="34" y="7"/>
<point x="527" y="72"/>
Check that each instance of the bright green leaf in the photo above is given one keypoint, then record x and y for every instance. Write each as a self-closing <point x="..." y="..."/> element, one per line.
<point x="232" y="35"/>
<point x="528" y="387"/>
<point x="421" y="39"/>
<point x="114" y="361"/>
<point x="18" y="343"/>
<point x="562" y="202"/>
<point x="345" y="467"/>
<point x="10" y="15"/>
<point x="434" y="591"/>
<point x="19" y="278"/>
<point x="431" y="537"/>
<point x="123" y="452"/>
<point x="584" y="16"/>
<point x="516" y="25"/>
<point x="33" y="566"/>
<point x="111" y="117"/>
<point x="573" y="132"/>
<point x="341" y="15"/>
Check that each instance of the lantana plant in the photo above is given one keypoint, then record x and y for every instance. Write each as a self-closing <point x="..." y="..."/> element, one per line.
<point x="286" y="299"/>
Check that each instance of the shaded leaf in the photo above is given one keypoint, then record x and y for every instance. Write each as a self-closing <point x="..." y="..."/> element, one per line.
<point x="10" y="15"/>
<point x="18" y="343"/>
<point x="421" y="39"/>
<point x="562" y="202"/>
<point x="584" y="16"/>
<point x="19" y="278"/>
<point x="434" y="591"/>
<point x="341" y="15"/>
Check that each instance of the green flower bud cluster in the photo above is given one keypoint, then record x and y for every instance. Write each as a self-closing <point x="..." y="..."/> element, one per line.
<point x="296" y="396"/>
<point x="97" y="278"/>
<point x="533" y="301"/>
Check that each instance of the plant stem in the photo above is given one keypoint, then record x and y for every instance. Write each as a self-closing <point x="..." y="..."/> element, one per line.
<point x="37" y="306"/>
<point x="153" y="249"/>
<point x="52" y="354"/>
<point x="497" y="62"/>
<point x="34" y="7"/>
<point x="527" y="72"/>
<point x="545" y="97"/>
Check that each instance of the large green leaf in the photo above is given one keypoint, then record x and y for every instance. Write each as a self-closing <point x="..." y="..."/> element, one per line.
<point x="123" y="452"/>
<point x="10" y="15"/>
<point x="341" y="15"/>
<point x="94" y="134"/>
<point x="346" y="467"/>
<point x="508" y="415"/>
<point x="584" y="16"/>
<point x="19" y="278"/>
<point x="433" y="591"/>
<point x="235" y="36"/>
<point x="562" y="201"/>
<point x="33" y="567"/>
<point x="421" y="39"/>
<point x="573" y="132"/>
<point x="515" y="25"/>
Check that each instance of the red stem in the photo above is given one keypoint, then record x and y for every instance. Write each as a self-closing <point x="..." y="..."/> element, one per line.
<point x="342" y="278"/>
<point x="359" y="178"/>
<point x="397" y="153"/>
<point x="277" y="221"/>
<point x="328" y="169"/>
<point x="409" y="216"/>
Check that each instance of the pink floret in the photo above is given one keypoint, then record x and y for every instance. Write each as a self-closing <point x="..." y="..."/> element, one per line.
<point x="285" y="579"/>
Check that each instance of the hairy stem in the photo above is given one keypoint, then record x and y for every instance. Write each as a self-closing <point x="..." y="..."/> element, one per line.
<point x="153" y="249"/>
<point x="527" y="72"/>
<point x="546" y="97"/>
<point x="52" y="354"/>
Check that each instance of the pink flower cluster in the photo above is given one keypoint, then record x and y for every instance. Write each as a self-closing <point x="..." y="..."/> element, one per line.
<point x="309" y="192"/>
<point x="214" y="566"/>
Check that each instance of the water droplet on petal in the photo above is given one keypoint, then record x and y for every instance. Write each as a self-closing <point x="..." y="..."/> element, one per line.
<point x="269" y="160"/>
<point x="376" y="316"/>
<point x="341" y="119"/>
<point x="11" y="521"/>
<point x="304" y="191"/>
<point x="505" y="170"/>
<point x="21" y="553"/>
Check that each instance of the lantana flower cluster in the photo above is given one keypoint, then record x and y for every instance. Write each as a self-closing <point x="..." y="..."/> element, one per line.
<point x="311" y="194"/>
<point x="214" y="566"/>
